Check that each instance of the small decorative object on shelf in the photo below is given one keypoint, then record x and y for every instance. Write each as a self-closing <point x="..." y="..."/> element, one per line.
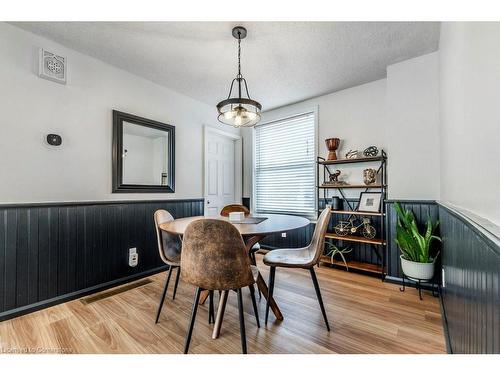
<point x="332" y="144"/>
<point x="351" y="227"/>
<point x="337" y="203"/>
<point x="334" y="177"/>
<point x="369" y="202"/>
<point x="370" y="151"/>
<point x="351" y="154"/>
<point x="369" y="176"/>
<point x="334" y="250"/>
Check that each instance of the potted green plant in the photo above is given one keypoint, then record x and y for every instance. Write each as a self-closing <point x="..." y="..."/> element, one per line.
<point x="416" y="260"/>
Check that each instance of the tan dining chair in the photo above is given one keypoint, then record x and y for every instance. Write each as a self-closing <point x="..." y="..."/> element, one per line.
<point x="169" y="247"/>
<point x="226" y="210"/>
<point x="306" y="258"/>
<point x="214" y="258"/>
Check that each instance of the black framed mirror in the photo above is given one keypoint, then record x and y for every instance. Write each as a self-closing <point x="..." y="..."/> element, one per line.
<point x="143" y="155"/>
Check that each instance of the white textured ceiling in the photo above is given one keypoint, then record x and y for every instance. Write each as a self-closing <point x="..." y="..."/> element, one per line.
<point x="283" y="62"/>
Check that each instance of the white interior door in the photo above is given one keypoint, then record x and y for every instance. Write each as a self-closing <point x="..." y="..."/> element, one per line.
<point x="221" y="173"/>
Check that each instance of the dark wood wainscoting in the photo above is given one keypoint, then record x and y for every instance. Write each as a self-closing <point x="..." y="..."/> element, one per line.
<point x="471" y="292"/>
<point x="55" y="252"/>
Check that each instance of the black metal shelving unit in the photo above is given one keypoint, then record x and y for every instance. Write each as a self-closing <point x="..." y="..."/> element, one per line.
<point x="379" y="245"/>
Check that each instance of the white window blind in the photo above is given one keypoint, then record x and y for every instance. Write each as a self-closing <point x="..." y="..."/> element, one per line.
<point x="285" y="166"/>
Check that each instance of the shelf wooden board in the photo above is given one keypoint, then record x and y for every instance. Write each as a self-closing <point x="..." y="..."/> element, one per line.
<point x="340" y="212"/>
<point x="367" y="267"/>
<point x="331" y="186"/>
<point x="355" y="160"/>
<point x="373" y="241"/>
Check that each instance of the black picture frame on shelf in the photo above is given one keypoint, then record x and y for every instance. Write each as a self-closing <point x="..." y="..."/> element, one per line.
<point x="369" y="201"/>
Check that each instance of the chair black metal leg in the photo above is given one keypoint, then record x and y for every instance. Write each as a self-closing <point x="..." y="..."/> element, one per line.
<point x="176" y="281"/>
<point x="258" y="290"/>
<point x="242" y="323"/>
<point x="254" y="303"/>
<point x="163" y="295"/>
<point x="318" y="294"/>
<point x="252" y="258"/>
<point x="193" y="317"/>
<point x="272" y="272"/>
<point x="211" y="314"/>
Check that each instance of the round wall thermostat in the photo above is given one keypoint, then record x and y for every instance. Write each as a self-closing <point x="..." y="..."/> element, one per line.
<point x="54" y="139"/>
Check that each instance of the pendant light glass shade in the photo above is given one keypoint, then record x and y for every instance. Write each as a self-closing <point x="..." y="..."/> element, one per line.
<point x="239" y="111"/>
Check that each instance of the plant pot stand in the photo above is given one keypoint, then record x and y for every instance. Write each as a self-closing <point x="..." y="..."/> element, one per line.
<point x="418" y="286"/>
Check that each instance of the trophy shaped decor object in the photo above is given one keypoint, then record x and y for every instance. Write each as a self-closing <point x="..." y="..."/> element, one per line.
<point x="332" y="144"/>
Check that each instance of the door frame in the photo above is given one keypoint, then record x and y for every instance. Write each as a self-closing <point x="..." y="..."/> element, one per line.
<point x="238" y="161"/>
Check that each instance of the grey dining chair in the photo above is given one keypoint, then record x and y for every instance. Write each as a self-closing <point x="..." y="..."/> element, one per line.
<point x="169" y="247"/>
<point x="306" y="258"/>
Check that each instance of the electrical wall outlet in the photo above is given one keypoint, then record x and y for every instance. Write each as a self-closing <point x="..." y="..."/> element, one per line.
<point x="283" y="234"/>
<point x="133" y="257"/>
<point x="443" y="279"/>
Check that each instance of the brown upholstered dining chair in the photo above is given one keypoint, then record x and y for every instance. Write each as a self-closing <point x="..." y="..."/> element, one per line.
<point x="306" y="258"/>
<point x="214" y="258"/>
<point x="169" y="247"/>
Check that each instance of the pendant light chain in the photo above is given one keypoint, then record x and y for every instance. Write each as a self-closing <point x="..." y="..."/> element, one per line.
<point x="239" y="54"/>
<point x="239" y="76"/>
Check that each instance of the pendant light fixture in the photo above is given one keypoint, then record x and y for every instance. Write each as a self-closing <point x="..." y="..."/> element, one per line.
<point x="239" y="111"/>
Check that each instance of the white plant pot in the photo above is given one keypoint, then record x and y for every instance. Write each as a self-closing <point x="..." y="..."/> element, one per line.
<point x="416" y="270"/>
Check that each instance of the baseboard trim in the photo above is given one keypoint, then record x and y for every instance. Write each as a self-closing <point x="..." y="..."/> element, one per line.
<point x="9" y="314"/>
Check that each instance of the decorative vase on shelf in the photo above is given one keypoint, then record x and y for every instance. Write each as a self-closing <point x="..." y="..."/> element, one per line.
<point x="369" y="176"/>
<point x="337" y="204"/>
<point x="332" y="144"/>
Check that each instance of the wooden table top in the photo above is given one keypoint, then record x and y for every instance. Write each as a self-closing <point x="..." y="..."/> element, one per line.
<point x="273" y="224"/>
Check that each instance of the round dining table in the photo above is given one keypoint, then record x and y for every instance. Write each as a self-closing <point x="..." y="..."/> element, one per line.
<point x="253" y="229"/>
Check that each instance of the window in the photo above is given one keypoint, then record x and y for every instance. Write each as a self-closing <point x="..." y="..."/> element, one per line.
<point x="285" y="166"/>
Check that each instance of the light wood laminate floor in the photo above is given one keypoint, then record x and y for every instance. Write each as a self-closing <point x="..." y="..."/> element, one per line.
<point x="366" y="316"/>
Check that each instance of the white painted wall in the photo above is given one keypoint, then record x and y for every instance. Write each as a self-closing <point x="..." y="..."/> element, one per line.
<point x="399" y="114"/>
<point x="412" y="131"/>
<point x="80" y="111"/>
<point x="355" y="115"/>
<point x="470" y="117"/>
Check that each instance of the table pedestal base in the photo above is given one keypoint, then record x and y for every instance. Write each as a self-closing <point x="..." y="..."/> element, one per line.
<point x="261" y="284"/>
